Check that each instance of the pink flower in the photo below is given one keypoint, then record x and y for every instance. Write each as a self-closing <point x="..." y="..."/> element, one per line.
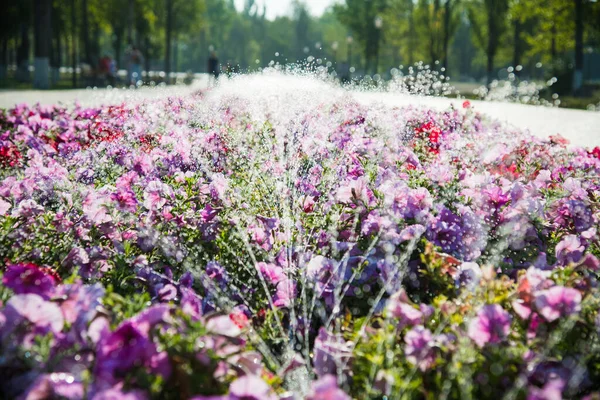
<point x="491" y="325"/>
<point x="356" y="189"/>
<point x="272" y="273"/>
<point x="286" y="290"/>
<point x="4" y="206"/>
<point x="558" y="301"/>
<point x="95" y="209"/>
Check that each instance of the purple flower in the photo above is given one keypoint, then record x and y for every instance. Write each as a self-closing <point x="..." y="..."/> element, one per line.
<point x="331" y="352"/>
<point x="216" y="272"/>
<point x="32" y="312"/>
<point x="491" y="325"/>
<point x="419" y="348"/>
<point x="399" y="307"/>
<point x="326" y="388"/>
<point x="117" y="394"/>
<point x="446" y="231"/>
<point x="250" y="387"/>
<point x="55" y="385"/>
<point x="29" y="278"/>
<point x="569" y="250"/>
<point x="558" y="301"/>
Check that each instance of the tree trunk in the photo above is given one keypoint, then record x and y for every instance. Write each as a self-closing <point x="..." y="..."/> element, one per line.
<point x="3" y="59"/>
<point x="23" y="55"/>
<point x="553" y="44"/>
<point x="517" y="46"/>
<point x="491" y="46"/>
<point x="85" y="32"/>
<point x="130" y="21"/>
<point x="42" y="36"/>
<point x="168" y="34"/>
<point x="117" y="44"/>
<point x="411" y="34"/>
<point x="147" y="57"/>
<point x="203" y="48"/>
<point x="176" y="56"/>
<point x="74" y="43"/>
<point x="447" y="11"/>
<point x="578" y="72"/>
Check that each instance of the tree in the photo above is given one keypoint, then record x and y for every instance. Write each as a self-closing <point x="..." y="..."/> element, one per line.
<point x="362" y="17"/>
<point x="43" y="41"/>
<point x="489" y="27"/>
<point x="450" y="25"/>
<point x="9" y="28"/>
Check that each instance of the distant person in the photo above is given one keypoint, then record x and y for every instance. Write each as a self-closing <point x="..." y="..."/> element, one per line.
<point x="112" y="72"/>
<point x="136" y="60"/>
<point x="108" y="70"/>
<point x="213" y="67"/>
<point x="345" y="74"/>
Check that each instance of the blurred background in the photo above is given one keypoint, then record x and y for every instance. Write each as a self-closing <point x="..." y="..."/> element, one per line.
<point x="79" y="43"/>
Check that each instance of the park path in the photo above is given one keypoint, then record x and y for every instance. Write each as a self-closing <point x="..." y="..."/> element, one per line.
<point x="582" y="128"/>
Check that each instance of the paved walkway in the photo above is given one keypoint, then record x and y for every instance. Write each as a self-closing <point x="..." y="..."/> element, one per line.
<point x="580" y="127"/>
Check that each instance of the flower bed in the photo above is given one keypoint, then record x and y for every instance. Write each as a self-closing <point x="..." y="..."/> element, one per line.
<point x="189" y="249"/>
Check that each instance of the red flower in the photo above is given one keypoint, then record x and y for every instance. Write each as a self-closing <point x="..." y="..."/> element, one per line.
<point x="466" y="104"/>
<point x="9" y="155"/>
<point x="596" y="152"/>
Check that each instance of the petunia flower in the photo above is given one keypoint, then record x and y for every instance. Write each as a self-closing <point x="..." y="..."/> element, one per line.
<point x="557" y="302"/>
<point x="31" y="313"/>
<point x="490" y="326"/>
<point x="250" y="387"/>
<point x="29" y="278"/>
<point x="331" y="353"/>
<point x="419" y="347"/>
<point x="569" y="250"/>
<point x="326" y="388"/>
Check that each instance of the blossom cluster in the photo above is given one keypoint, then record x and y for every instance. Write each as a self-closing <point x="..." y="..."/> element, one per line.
<point x="192" y="248"/>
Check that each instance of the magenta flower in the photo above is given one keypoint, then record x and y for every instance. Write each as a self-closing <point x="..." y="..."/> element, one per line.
<point x="121" y="351"/>
<point x="558" y="301"/>
<point x="125" y="200"/>
<point x="326" y="388"/>
<point x="29" y="278"/>
<point x="491" y="325"/>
